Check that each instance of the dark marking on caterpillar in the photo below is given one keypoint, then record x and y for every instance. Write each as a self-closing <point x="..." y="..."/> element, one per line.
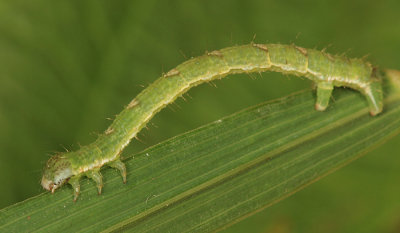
<point x="133" y="103"/>
<point x="261" y="46"/>
<point x="330" y="57"/>
<point x="171" y="73"/>
<point x="216" y="53"/>
<point x="301" y="50"/>
<point x="109" y="131"/>
<point x="327" y="71"/>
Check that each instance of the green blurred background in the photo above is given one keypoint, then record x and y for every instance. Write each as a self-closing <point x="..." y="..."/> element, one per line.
<point x="66" y="66"/>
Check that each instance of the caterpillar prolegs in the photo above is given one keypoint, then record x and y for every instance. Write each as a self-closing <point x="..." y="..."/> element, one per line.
<point x="324" y="69"/>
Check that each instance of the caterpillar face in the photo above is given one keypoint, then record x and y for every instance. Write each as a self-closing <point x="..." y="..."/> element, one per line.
<point x="56" y="172"/>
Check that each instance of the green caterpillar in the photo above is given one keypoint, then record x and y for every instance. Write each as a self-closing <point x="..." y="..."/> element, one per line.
<point x="324" y="69"/>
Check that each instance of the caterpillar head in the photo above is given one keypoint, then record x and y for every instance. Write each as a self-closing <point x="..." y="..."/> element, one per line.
<point x="56" y="172"/>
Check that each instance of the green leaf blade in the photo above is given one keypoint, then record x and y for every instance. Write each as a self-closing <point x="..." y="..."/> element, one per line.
<point x="209" y="178"/>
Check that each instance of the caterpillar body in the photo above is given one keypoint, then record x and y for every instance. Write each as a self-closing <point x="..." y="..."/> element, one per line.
<point x="324" y="69"/>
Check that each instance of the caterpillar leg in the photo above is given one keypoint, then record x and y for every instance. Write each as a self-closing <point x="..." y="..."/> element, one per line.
<point x="74" y="181"/>
<point x="120" y="166"/>
<point x="96" y="176"/>
<point x="374" y="97"/>
<point x="324" y="92"/>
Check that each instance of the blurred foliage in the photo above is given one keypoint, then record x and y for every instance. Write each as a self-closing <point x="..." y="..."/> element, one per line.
<point x="67" y="66"/>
